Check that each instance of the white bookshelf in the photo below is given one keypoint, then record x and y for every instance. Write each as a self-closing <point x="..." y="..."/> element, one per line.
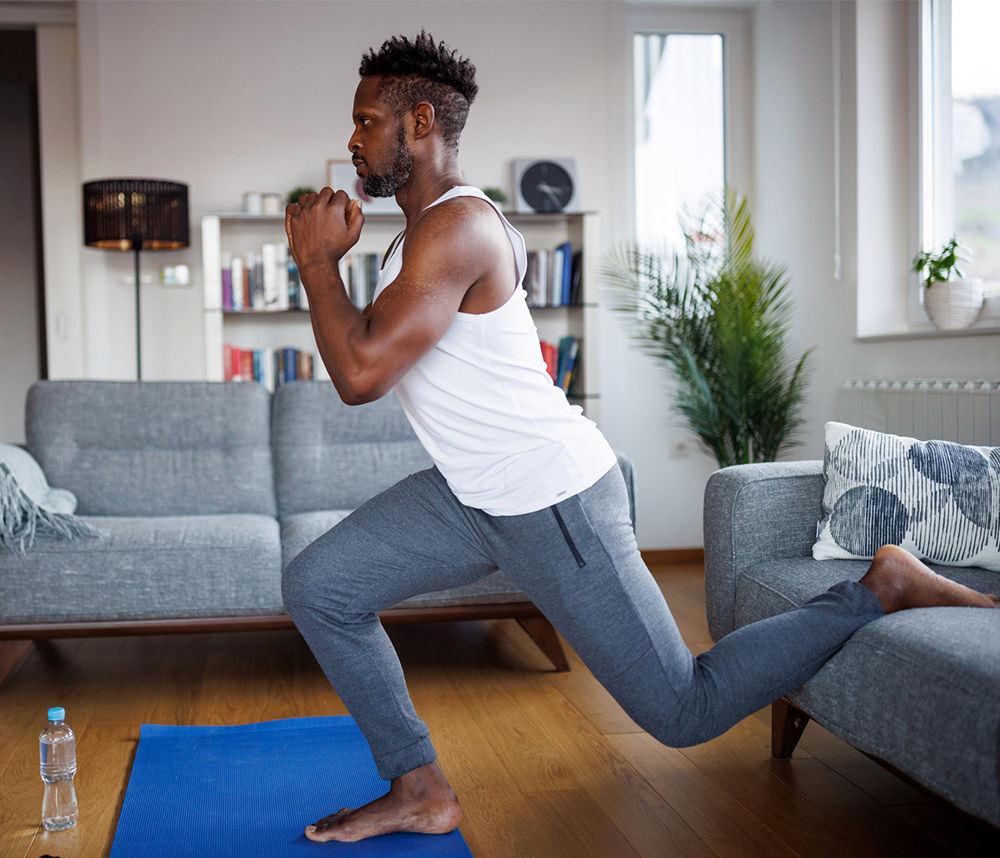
<point x="237" y="232"/>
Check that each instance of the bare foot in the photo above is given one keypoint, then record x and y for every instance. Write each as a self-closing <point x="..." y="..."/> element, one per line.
<point x="901" y="581"/>
<point x="421" y="801"/>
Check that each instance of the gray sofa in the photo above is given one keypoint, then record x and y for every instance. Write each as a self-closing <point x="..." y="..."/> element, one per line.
<point x="203" y="491"/>
<point x="918" y="690"/>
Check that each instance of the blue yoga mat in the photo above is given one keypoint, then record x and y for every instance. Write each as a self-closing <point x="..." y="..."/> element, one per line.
<point x="250" y="790"/>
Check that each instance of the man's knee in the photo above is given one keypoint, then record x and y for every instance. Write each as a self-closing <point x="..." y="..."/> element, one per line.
<point x="320" y="582"/>
<point x="307" y="578"/>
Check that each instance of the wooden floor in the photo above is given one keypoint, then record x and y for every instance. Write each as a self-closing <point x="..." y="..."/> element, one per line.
<point x="545" y="764"/>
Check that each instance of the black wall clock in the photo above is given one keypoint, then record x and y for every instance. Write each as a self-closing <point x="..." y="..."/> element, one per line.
<point x="544" y="185"/>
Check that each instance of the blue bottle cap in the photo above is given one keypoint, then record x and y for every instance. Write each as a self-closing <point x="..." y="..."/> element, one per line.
<point x="57" y="713"/>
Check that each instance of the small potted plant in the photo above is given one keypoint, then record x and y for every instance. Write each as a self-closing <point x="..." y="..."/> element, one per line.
<point x="952" y="301"/>
<point x="296" y="192"/>
<point x="496" y="194"/>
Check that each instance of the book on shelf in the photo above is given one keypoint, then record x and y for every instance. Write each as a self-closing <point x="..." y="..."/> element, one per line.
<point x="263" y="280"/>
<point x="268" y="366"/>
<point x="553" y="277"/>
<point x="360" y="271"/>
<point x="561" y="360"/>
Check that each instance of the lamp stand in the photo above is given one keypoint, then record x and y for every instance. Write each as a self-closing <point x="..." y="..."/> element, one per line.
<point x="137" y="244"/>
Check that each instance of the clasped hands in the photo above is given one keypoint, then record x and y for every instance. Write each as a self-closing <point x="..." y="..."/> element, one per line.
<point x="322" y="227"/>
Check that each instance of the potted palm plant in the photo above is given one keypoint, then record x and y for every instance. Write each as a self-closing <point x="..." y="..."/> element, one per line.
<point x="718" y="318"/>
<point x="952" y="300"/>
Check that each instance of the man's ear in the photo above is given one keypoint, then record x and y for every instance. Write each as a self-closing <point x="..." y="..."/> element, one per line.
<point x="423" y="119"/>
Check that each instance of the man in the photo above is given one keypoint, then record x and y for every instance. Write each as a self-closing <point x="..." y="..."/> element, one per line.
<point x="522" y="481"/>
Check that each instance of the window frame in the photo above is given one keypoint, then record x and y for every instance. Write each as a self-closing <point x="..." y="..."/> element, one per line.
<point x="734" y="27"/>
<point x="936" y="220"/>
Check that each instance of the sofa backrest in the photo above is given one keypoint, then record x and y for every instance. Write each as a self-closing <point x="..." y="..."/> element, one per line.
<point x="154" y="448"/>
<point x="332" y="456"/>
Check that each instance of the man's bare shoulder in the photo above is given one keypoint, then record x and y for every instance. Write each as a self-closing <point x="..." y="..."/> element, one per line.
<point x="460" y="219"/>
<point x="458" y="245"/>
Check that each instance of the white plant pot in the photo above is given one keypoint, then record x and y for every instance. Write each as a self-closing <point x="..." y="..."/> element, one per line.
<point x="955" y="304"/>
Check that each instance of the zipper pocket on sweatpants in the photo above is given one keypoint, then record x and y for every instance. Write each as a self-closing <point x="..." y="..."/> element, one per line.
<point x="569" y="539"/>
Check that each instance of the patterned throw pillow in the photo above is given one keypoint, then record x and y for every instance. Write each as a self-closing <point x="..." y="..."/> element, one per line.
<point x="938" y="500"/>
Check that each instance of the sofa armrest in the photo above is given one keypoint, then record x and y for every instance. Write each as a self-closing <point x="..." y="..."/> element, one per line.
<point x="754" y="513"/>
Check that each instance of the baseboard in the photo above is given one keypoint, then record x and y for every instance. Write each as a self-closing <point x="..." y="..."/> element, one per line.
<point x="673" y="555"/>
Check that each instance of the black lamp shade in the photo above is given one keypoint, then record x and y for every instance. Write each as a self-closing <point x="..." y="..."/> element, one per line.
<point x="135" y="214"/>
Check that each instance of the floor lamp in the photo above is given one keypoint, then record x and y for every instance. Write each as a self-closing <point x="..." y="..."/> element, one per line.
<point x="135" y="214"/>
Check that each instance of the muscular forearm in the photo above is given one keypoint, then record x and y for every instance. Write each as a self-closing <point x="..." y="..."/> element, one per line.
<point x="341" y="333"/>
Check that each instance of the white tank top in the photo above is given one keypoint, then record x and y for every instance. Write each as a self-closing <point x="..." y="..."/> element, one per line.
<point x="484" y="406"/>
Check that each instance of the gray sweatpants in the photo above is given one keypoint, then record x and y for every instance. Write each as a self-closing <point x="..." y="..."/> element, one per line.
<point x="579" y="563"/>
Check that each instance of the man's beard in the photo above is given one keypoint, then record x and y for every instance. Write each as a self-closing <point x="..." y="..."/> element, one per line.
<point x="386" y="184"/>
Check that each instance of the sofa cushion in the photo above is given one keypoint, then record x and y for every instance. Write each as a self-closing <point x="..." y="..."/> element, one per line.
<point x="936" y="499"/>
<point x="155" y="448"/>
<point x="297" y="531"/>
<point x="330" y="456"/>
<point x="148" y="568"/>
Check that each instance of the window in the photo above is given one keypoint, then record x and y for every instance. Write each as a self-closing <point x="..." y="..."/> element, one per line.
<point x="961" y="134"/>
<point x="689" y="104"/>
<point x="679" y="129"/>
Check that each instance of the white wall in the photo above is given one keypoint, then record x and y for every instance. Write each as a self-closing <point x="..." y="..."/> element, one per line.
<point x="795" y="138"/>
<point x="237" y="96"/>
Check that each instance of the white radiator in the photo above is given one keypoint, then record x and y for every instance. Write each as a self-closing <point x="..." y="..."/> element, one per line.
<point x="963" y="410"/>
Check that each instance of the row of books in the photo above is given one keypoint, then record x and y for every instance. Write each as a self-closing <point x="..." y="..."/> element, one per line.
<point x="265" y="279"/>
<point x="561" y="360"/>
<point x="270" y="367"/>
<point x="268" y="279"/>
<point x="554" y="277"/>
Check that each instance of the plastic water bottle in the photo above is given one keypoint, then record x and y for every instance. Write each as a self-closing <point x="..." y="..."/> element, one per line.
<point x="57" y="752"/>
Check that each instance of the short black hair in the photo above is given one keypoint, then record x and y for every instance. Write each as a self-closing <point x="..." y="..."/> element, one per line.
<point x="424" y="70"/>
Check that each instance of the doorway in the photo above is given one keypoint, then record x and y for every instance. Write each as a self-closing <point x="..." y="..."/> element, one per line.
<point x="22" y="298"/>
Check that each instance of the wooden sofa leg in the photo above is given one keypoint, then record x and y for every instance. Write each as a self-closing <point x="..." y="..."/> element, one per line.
<point x="543" y="633"/>
<point x="11" y="653"/>
<point x="787" y="726"/>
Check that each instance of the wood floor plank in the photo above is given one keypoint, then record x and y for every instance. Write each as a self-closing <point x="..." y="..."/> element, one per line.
<point x="954" y="832"/>
<point x="739" y="763"/>
<point x="591" y="699"/>
<point x="651" y="825"/>
<point x="12" y="653"/>
<point x="861" y="770"/>
<point x="581" y="826"/>
<point x="502" y="815"/>
<point x="723" y="823"/>
<point x="853" y="811"/>
<point x="518" y="739"/>
<point x="492" y="805"/>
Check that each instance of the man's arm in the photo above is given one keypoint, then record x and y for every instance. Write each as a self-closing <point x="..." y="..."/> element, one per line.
<point x="366" y="353"/>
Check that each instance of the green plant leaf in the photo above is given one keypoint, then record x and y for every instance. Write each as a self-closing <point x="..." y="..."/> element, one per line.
<point x="718" y="319"/>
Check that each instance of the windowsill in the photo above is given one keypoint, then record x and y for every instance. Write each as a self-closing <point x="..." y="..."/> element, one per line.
<point x="919" y="327"/>
<point x="986" y="327"/>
